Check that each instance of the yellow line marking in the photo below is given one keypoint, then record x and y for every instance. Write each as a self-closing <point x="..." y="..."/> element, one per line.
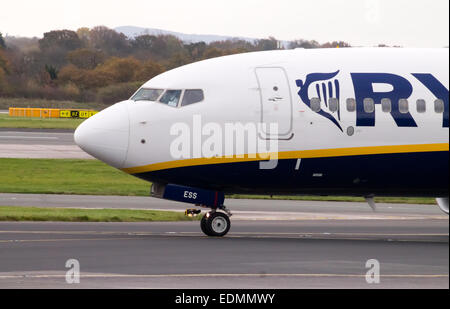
<point x="303" y="154"/>
<point x="424" y="276"/>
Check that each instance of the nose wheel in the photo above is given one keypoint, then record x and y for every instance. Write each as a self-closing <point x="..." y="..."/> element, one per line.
<point x="215" y="224"/>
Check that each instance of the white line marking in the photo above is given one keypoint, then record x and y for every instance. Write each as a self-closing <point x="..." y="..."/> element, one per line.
<point x="28" y="137"/>
<point x="234" y="233"/>
<point x="43" y="276"/>
<point x="63" y="240"/>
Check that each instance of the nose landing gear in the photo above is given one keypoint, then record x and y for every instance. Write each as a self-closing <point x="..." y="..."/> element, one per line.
<point x="215" y="223"/>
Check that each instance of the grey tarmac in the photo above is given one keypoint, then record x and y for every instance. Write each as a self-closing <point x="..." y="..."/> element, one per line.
<point x="39" y="144"/>
<point x="314" y="252"/>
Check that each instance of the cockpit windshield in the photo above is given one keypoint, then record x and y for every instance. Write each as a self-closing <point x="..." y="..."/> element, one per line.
<point x="147" y="95"/>
<point x="171" y="97"/>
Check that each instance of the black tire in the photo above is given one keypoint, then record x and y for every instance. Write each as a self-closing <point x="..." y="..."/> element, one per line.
<point x="204" y="225"/>
<point x="216" y="224"/>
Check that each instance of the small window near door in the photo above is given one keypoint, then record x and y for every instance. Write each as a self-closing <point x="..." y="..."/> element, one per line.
<point x="421" y="106"/>
<point x="315" y="105"/>
<point x="351" y="105"/>
<point x="439" y="106"/>
<point x="369" y="105"/>
<point x="403" y="106"/>
<point x="333" y="105"/>
<point x="386" y="105"/>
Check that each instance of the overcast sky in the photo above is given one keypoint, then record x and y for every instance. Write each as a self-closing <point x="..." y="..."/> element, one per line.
<point x="410" y="23"/>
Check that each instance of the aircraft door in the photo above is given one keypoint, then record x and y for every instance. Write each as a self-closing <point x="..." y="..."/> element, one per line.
<point x="276" y="101"/>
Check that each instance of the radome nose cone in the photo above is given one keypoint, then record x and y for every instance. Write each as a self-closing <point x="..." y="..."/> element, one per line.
<point x="105" y="135"/>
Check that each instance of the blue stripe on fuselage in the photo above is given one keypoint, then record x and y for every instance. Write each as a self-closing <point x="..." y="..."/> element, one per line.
<point x="406" y="174"/>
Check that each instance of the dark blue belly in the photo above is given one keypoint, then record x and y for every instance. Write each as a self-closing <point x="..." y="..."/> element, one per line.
<point x="408" y="174"/>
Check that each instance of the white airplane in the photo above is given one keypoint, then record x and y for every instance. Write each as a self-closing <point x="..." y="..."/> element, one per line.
<point x="358" y="121"/>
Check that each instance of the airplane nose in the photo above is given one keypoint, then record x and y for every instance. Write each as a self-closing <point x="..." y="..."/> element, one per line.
<point x="105" y="135"/>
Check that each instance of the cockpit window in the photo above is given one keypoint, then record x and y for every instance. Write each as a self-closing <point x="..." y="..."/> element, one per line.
<point x="171" y="97"/>
<point x="147" y="95"/>
<point x="192" y="96"/>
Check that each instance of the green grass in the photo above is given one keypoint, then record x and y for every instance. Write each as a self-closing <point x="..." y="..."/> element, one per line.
<point x="49" y="176"/>
<point x="8" y="213"/>
<point x="6" y="103"/>
<point x="38" y="123"/>
<point x="91" y="177"/>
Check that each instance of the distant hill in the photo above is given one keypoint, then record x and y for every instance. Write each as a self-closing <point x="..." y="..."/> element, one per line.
<point x="132" y="31"/>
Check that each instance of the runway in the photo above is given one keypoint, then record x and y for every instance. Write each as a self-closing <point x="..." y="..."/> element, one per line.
<point x="39" y="144"/>
<point x="243" y="209"/>
<point x="176" y="255"/>
<point x="329" y="250"/>
<point x="272" y="244"/>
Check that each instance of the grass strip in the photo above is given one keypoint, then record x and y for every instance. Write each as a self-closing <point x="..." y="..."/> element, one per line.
<point x="8" y="213"/>
<point x="38" y="123"/>
<point x="92" y="177"/>
<point x="61" y="176"/>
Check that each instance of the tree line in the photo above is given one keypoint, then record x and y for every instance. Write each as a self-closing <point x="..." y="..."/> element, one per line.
<point x="102" y="65"/>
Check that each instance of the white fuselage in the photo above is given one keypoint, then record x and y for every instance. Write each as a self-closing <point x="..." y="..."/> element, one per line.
<point x="326" y="151"/>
